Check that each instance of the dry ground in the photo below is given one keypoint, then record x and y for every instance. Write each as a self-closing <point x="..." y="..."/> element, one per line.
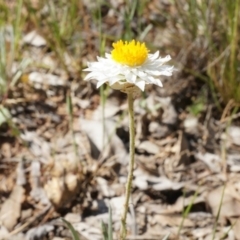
<point x="187" y="162"/>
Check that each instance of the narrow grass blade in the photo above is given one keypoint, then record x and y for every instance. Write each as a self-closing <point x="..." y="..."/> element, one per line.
<point x="74" y="233"/>
<point x="110" y="233"/>
<point x="218" y="213"/>
<point x="104" y="231"/>
<point x="186" y="212"/>
<point x="166" y="237"/>
<point x="5" y="115"/>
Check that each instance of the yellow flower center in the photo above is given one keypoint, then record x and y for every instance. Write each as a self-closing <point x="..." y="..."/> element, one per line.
<point x="130" y="53"/>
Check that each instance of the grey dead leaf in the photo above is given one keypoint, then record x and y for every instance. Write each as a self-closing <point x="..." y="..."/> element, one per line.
<point x="213" y="161"/>
<point x="70" y="62"/>
<point x="143" y="181"/>
<point x="140" y="182"/>
<point x="110" y="109"/>
<point x="37" y="192"/>
<point x="182" y="202"/>
<point x="73" y="217"/>
<point x="200" y="233"/>
<point x="67" y="58"/>
<point x="82" y="103"/>
<point x="234" y="133"/>
<point x="235" y="222"/>
<point x="166" y="184"/>
<point x="161" y="232"/>
<point x="105" y="189"/>
<point x="94" y="221"/>
<point x="207" y="233"/>
<point x="169" y="113"/>
<point x="230" y="204"/>
<point x="152" y="105"/>
<point x="182" y="155"/>
<point x="4" y="233"/>
<point x="88" y="231"/>
<point x="148" y="147"/>
<point x="39" y="232"/>
<point x="158" y="130"/>
<point x="166" y="220"/>
<point x="20" y="171"/>
<point x="233" y="161"/>
<point x="191" y="124"/>
<point x="90" y="5"/>
<point x="38" y="145"/>
<point x="46" y="79"/>
<point x="220" y="233"/>
<point x="11" y="208"/>
<point x="116" y="204"/>
<point x="49" y="61"/>
<point x="33" y="38"/>
<point x="104" y="141"/>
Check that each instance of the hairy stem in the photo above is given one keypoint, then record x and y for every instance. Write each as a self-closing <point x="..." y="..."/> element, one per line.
<point x="123" y="230"/>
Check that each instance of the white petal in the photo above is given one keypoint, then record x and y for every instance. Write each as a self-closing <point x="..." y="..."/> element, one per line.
<point x="115" y="79"/>
<point x="89" y="76"/>
<point x="155" y="81"/>
<point x="163" y="60"/>
<point x="158" y="83"/>
<point x="100" y="83"/>
<point x="154" y="56"/>
<point x="141" y="85"/>
<point x="131" y="77"/>
<point x="141" y="74"/>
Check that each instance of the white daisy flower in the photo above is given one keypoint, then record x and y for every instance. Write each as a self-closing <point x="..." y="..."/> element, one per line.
<point x="129" y="67"/>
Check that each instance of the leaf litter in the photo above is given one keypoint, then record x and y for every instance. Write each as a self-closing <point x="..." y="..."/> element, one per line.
<point x="181" y="159"/>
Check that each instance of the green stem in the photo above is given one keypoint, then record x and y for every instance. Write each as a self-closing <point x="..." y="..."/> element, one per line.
<point x="234" y="42"/>
<point x="131" y="166"/>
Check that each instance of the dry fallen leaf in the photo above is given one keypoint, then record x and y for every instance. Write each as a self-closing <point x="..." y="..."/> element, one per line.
<point x="63" y="183"/>
<point x="148" y="147"/>
<point x="4" y="233"/>
<point x="182" y="155"/>
<point x="230" y="204"/>
<point x="233" y="135"/>
<point x="37" y="192"/>
<point x="34" y="39"/>
<point x="171" y="220"/>
<point x="213" y="161"/>
<point x="45" y="79"/>
<point x="104" y="140"/>
<point x="39" y="232"/>
<point x="11" y="208"/>
<point x="235" y="222"/>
